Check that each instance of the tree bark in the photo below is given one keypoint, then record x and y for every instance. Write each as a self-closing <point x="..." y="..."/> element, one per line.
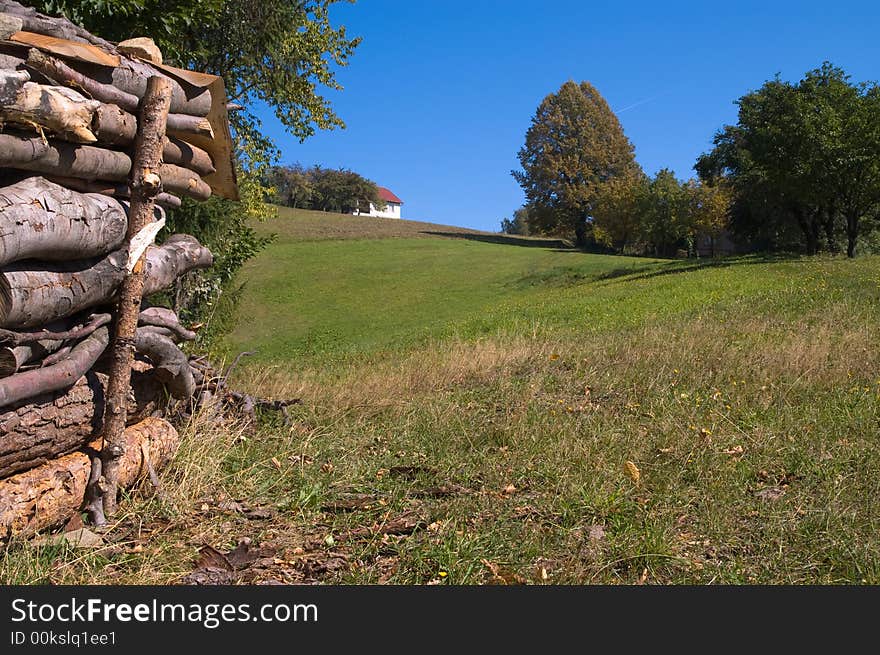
<point x="171" y="365"/>
<point x="46" y="221"/>
<point x="60" y="332"/>
<point x="177" y="151"/>
<point x="131" y="77"/>
<point x="47" y="345"/>
<point x="113" y="126"/>
<point x="72" y="117"/>
<point x="179" y="254"/>
<point x="91" y="163"/>
<point x="852" y="234"/>
<point x="50" y="494"/>
<point x="43" y="496"/>
<point x="13" y="358"/>
<point x="37" y="293"/>
<point x="162" y="317"/>
<point x="61" y="110"/>
<point x="60" y="72"/>
<point x="53" y="424"/>
<point x="145" y="185"/>
<point x="111" y="189"/>
<point x="62" y="375"/>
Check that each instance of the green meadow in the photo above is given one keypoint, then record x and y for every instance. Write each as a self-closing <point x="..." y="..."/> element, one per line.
<point x="476" y="410"/>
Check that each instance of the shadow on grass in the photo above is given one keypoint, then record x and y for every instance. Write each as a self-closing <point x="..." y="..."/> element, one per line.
<point x="674" y="267"/>
<point x="508" y="240"/>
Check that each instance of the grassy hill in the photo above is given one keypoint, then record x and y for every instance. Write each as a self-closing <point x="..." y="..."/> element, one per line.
<point x="477" y="412"/>
<point x="362" y="285"/>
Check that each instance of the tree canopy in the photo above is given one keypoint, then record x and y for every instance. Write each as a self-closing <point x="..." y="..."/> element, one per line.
<point x="658" y="215"/>
<point x="574" y="144"/>
<point x="323" y="189"/>
<point x="804" y="158"/>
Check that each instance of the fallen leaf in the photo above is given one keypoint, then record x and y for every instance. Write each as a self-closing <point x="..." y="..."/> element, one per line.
<point x="211" y="558"/>
<point x="502" y="576"/>
<point x="243" y="555"/>
<point x="403" y="524"/>
<point x="736" y="450"/>
<point x="632" y="471"/>
<point x="509" y="489"/>
<point x="276" y="463"/>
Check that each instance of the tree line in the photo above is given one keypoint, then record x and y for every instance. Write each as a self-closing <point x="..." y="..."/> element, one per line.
<point x="799" y="171"/>
<point x="323" y="189"/>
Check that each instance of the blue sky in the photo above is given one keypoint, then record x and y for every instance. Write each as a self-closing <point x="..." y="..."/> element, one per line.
<point x="439" y="95"/>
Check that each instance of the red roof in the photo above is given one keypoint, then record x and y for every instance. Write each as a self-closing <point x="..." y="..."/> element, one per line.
<point x="388" y="196"/>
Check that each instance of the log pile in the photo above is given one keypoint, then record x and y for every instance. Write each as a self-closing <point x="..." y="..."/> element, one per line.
<point x="72" y="108"/>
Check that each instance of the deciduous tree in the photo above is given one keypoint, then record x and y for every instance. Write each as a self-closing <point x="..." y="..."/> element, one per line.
<point x="574" y="144"/>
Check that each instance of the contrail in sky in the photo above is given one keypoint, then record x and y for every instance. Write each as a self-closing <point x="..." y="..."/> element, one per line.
<point x="639" y="103"/>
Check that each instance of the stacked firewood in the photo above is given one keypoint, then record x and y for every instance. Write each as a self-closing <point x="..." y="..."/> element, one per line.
<point x="69" y="105"/>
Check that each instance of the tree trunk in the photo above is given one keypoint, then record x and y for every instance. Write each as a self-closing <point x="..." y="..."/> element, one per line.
<point x="73" y="117"/>
<point x="810" y="229"/>
<point x="177" y="151"/>
<point x="145" y="185"/>
<point x="113" y="126"/>
<point x="131" y="76"/>
<point x="829" y="215"/>
<point x="852" y="234"/>
<point x="580" y="234"/>
<point x="53" y="424"/>
<point x="91" y="163"/>
<point x="42" y="220"/>
<point x="50" y="494"/>
<point x="60" y="72"/>
<point x="35" y="293"/>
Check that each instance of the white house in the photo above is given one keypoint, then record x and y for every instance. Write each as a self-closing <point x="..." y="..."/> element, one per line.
<point x="392" y="206"/>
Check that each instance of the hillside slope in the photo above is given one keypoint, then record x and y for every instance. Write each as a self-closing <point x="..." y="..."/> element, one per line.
<point x="474" y="412"/>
